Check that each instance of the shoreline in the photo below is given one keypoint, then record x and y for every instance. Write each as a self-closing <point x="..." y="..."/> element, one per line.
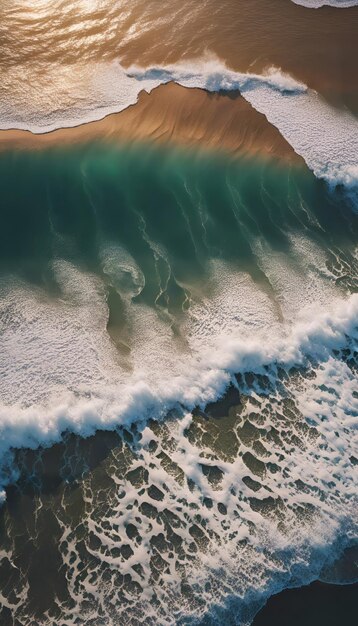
<point x="172" y="114"/>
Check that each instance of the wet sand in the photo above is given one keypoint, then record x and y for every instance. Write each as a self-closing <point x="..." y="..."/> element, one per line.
<point x="171" y="113"/>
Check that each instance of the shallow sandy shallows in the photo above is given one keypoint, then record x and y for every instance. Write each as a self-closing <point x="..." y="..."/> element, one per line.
<point x="171" y="113"/>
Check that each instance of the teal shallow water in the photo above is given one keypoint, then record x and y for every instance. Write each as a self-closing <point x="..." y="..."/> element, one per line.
<point x="192" y="207"/>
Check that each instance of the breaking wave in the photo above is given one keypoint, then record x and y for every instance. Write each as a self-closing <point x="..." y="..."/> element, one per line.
<point x="207" y="375"/>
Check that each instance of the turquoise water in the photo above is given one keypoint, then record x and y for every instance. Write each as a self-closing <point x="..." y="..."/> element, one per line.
<point x="194" y="207"/>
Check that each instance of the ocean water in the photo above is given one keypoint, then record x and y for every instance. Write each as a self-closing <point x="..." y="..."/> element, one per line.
<point x="138" y="285"/>
<point x="178" y="327"/>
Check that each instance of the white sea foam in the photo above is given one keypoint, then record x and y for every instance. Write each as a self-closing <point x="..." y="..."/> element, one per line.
<point x="249" y="554"/>
<point x="74" y="97"/>
<point x="59" y="368"/>
<point x="316" y="4"/>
